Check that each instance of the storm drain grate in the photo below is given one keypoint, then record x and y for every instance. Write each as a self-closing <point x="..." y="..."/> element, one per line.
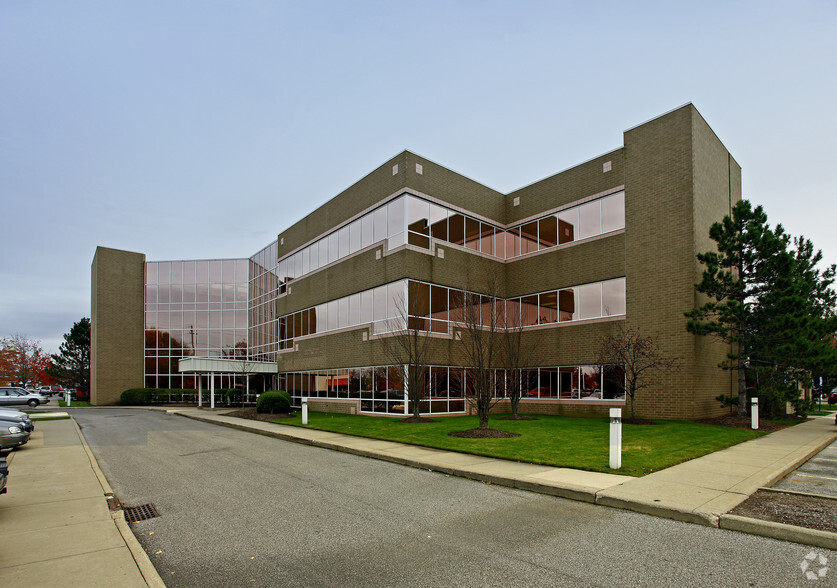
<point x="135" y="514"/>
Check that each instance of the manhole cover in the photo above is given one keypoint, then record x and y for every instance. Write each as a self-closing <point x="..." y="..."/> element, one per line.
<point x="135" y="514"/>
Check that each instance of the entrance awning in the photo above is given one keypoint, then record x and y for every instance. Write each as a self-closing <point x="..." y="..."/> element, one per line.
<point x="208" y="365"/>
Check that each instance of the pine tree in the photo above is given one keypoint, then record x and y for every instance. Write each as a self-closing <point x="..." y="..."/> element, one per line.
<point x="737" y="275"/>
<point x="71" y="367"/>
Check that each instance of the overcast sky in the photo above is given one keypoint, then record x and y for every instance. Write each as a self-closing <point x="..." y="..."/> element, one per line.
<point x="201" y="129"/>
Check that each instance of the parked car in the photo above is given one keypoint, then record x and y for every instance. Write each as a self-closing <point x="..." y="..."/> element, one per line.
<point x="12" y="436"/>
<point x="4" y="473"/>
<point x="19" y="396"/>
<point x="832" y="399"/>
<point x="19" y="418"/>
<point x="56" y="390"/>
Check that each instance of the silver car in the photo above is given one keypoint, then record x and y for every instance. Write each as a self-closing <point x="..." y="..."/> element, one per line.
<point x="12" y="436"/>
<point x="20" y="397"/>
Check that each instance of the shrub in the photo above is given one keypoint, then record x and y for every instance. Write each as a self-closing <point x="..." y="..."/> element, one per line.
<point x="136" y="397"/>
<point x="274" y="401"/>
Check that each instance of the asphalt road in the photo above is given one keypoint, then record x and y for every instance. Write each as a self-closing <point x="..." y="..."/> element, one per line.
<point x="239" y="509"/>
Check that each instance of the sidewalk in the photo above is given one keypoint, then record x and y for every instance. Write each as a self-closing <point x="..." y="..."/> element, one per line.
<point x="55" y="521"/>
<point x="698" y="491"/>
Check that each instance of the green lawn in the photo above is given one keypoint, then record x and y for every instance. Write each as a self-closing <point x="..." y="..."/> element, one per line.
<point x="823" y="412"/>
<point x="63" y="404"/>
<point x="579" y="443"/>
<point x="60" y="418"/>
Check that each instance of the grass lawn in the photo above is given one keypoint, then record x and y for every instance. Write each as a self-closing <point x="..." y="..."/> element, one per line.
<point x="34" y="418"/>
<point x="579" y="443"/>
<point x="63" y="404"/>
<point x="823" y="412"/>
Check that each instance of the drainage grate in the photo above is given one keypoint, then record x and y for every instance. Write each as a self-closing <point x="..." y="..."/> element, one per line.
<point x="135" y="514"/>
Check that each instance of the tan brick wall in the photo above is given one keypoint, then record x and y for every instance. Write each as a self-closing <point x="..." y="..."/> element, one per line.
<point x="117" y="323"/>
<point x="678" y="179"/>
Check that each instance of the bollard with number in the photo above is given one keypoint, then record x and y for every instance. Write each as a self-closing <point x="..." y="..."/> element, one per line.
<point x="615" y="438"/>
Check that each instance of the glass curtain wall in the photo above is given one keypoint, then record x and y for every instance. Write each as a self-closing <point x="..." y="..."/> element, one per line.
<point x="263" y="335"/>
<point x="193" y="308"/>
<point x="433" y="308"/>
<point x="413" y="220"/>
<point x="380" y="389"/>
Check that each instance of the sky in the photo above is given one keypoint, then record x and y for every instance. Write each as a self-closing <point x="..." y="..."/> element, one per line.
<point x="201" y="129"/>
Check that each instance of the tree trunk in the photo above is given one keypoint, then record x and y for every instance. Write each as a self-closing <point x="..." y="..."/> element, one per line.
<point x="742" y="382"/>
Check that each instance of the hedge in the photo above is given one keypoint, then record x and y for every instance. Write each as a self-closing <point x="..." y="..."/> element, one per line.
<point x="274" y="401"/>
<point x="144" y="396"/>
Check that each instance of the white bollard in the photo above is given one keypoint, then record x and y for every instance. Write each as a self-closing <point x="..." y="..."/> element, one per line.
<point x="304" y="411"/>
<point x="67" y="398"/>
<point x="754" y="413"/>
<point x="615" y="438"/>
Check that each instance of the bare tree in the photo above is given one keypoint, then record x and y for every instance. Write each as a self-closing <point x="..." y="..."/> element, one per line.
<point x="407" y="344"/>
<point x="515" y="354"/>
<point x="482" y="319"/>
<point x="639" y="354"/>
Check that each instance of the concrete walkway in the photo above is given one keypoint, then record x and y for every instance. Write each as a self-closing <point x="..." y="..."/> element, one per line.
<point x="699" y="491"/>
<point x="56" y="526"/>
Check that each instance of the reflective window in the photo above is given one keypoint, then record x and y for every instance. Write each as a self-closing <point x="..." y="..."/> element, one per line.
<point x="529" y="238"/>
<point x="548" y="308"/>
<point x="567" y="226"/>
<point x="548" y="232"/>
<point x="613" y="212"/>
<point x="590" y="301"/>
<point x="589" y="219"/>
<point x="613" y="297"/>
<point x="456" y="229"/>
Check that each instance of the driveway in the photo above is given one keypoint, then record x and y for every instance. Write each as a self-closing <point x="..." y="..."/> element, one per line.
<point x="239" y="509"/>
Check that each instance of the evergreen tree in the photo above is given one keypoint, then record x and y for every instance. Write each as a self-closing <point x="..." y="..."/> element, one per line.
<point x="736" y="276"/>
<point x="71" y="367"/>
<point x="769" y="300"/>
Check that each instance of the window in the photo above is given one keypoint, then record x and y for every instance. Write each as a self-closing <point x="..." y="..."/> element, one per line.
<point x="589" y="216"/>
<point x="567" y="226"/>
<point x="613" y="212"/>
<point x="613" y="297"/>
<point x="590" y="301"/>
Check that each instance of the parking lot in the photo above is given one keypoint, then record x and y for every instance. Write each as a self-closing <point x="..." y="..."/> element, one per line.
<point x="817" y="476"/>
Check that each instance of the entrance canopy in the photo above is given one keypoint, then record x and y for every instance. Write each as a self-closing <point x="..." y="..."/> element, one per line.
<point x="208" y="365"/>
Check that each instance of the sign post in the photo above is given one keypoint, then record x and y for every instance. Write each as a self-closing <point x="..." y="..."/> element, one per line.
<point x="615" y="438"/>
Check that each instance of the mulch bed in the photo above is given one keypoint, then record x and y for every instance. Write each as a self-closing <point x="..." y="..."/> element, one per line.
<point x="250" y="413"/>
<point x="738" y="422"/>
<point x="415" y="419"/>
<point x="483" y="434"/>
<point x="811" y="512"/>
<point x="637" y="421"/>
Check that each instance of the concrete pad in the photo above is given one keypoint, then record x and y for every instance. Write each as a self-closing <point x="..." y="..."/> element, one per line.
<point x="457" y="460"/>
<point x="581" y="478"/>
<point x="100" y="569"/>
<point x="54" y="514"/>
<point x="362" y="443"/>
<point x="415" y="451"/>
<point x="48" y="544"/>
<point x="723" y="503"/>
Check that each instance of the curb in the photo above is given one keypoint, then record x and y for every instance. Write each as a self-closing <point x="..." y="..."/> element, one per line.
<point x="103" y="482"/>
<point x="146" y="568"/>
<point x="814" y="537"/>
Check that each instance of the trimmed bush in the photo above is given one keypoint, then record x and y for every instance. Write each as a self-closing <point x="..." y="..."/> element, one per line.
<point x="136" y="397"/>
<point x="274" y="401"/>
